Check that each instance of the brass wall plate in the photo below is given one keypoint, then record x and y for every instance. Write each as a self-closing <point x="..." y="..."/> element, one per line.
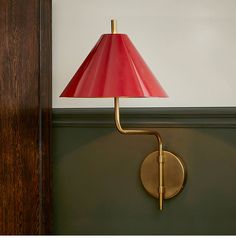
<point x="174" y="174"/>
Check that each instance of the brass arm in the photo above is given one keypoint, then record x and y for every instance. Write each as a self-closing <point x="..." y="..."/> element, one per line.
<point x="145" y="132"/>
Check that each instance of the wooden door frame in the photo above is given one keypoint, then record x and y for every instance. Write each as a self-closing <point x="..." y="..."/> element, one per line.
<point x="45" y="125"/>
<point x="25" y="117"/>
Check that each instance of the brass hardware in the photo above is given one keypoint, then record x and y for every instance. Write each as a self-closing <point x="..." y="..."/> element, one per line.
<point x="113" y="26"/>
<point x="174" y="174"/>
<point x="159" y="158"/>
<point x="162" y="173"/>
<point x="145" y="132"/>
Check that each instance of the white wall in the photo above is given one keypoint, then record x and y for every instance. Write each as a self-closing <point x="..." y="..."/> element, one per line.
<point x="190" y="45"/>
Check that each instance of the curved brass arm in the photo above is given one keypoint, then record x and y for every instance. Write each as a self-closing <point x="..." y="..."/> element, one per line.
<point x="144" y="132"/>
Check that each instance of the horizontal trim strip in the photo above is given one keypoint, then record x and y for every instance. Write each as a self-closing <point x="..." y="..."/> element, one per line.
<point x="223" y="117"/>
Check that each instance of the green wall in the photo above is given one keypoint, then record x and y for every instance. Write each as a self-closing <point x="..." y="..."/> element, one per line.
<point x="97" y="189"/>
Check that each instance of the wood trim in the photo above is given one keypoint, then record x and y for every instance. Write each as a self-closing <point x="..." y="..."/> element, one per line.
<point x="147" y="117"/>
<point x="45" y="108"/>
<point x="25" y="117"/>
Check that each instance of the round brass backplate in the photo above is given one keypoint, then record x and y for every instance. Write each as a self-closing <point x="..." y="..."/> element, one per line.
<point x="174" y="174"/>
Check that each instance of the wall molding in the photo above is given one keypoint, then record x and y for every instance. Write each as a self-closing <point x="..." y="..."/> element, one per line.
<point x="216" y="117"/>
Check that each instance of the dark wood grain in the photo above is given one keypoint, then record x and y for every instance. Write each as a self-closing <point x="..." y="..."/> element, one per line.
<point x="46" y="113"/>
<point x="25" y="103"/>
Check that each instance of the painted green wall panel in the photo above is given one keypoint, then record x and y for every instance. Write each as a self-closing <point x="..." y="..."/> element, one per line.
<point x="97" y="189"/>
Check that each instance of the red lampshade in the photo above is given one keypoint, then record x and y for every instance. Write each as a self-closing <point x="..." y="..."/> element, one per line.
<point x="113" y="68"/>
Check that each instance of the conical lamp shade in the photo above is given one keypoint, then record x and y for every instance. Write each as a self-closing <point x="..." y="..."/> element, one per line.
<point x="113" y="68"/>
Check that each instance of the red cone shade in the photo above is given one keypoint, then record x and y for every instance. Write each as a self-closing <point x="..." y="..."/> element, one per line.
<point x="113" y="68"/>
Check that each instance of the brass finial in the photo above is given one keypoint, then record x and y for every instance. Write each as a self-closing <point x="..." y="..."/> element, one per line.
<point x="113" y="26"/>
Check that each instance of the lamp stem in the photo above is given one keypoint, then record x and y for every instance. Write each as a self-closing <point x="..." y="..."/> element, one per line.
<point x="144" y="132"/>
<point x="113" y="26"/>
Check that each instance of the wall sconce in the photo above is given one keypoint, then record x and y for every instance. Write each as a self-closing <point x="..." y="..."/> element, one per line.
<point x="114" y="68"/>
